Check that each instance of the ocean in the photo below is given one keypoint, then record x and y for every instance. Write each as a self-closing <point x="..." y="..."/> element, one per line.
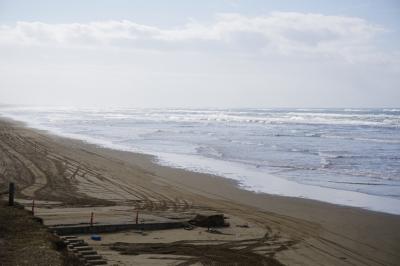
<point x="343" y="156"/>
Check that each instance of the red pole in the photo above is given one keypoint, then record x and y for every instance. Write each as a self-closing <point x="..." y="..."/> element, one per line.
<point x="137" y="216"/>
<point x="91" y="219"/>
<point x="33" y="207"/>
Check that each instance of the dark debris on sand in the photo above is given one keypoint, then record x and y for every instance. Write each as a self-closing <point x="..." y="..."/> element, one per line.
<point x="240" y="252"/>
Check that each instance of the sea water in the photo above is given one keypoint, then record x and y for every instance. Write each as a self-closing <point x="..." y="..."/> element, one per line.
<point x="343" y="156"/>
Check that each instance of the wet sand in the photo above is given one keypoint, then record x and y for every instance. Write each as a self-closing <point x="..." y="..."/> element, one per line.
<point x="76" y="174"/>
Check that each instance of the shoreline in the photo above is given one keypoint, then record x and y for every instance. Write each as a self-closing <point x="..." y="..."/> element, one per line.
<point x="342" y="198"/>
<point x="347" y="232"/>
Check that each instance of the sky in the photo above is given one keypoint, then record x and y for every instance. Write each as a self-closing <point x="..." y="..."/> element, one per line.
<point x="200" y="54"/>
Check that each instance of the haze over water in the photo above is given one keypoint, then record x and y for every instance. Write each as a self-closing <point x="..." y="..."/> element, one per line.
<point x="344" y="156"/>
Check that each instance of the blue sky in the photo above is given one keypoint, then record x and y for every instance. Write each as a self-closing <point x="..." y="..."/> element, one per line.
<point x="163" y="12"/>
<point x="195" y="53"/>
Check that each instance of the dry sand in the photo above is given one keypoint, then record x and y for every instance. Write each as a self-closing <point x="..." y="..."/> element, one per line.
<point x="75" y="178"/>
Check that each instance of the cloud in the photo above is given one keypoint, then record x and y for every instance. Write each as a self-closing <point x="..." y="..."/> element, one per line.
<point x="279" y="59"/>
<point x="278" y="33"/>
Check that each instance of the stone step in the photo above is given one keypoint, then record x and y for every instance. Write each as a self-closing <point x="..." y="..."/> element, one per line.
<point x="71" y="241"/>
<point x="82" y="248"/>
<point x="78" y="244"/>
<point x="96" y="262"/>
<point x="86" y="252"/>
<point x="68" y="237"/>
<point x="92" y="257"/>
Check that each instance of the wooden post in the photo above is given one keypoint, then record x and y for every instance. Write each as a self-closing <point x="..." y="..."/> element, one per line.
<point x="11" y="192"/>
<point x="33" y="207"/>
<point x="91" y="219"/>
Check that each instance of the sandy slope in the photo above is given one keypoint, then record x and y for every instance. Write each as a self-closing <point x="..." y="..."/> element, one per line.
<point x="307" y="232"/>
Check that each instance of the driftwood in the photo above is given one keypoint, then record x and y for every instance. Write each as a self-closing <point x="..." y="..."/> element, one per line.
<point x="216" y="220"/>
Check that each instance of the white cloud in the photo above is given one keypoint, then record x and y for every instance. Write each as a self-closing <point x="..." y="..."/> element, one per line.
<point x="281" y="59"/>
<point x="281" y="33"/>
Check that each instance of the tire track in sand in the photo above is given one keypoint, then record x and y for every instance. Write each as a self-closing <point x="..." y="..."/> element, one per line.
<point x="40" y="177"/>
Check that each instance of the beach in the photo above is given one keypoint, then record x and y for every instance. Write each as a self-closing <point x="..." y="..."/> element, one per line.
<point x="68" y="174"/>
